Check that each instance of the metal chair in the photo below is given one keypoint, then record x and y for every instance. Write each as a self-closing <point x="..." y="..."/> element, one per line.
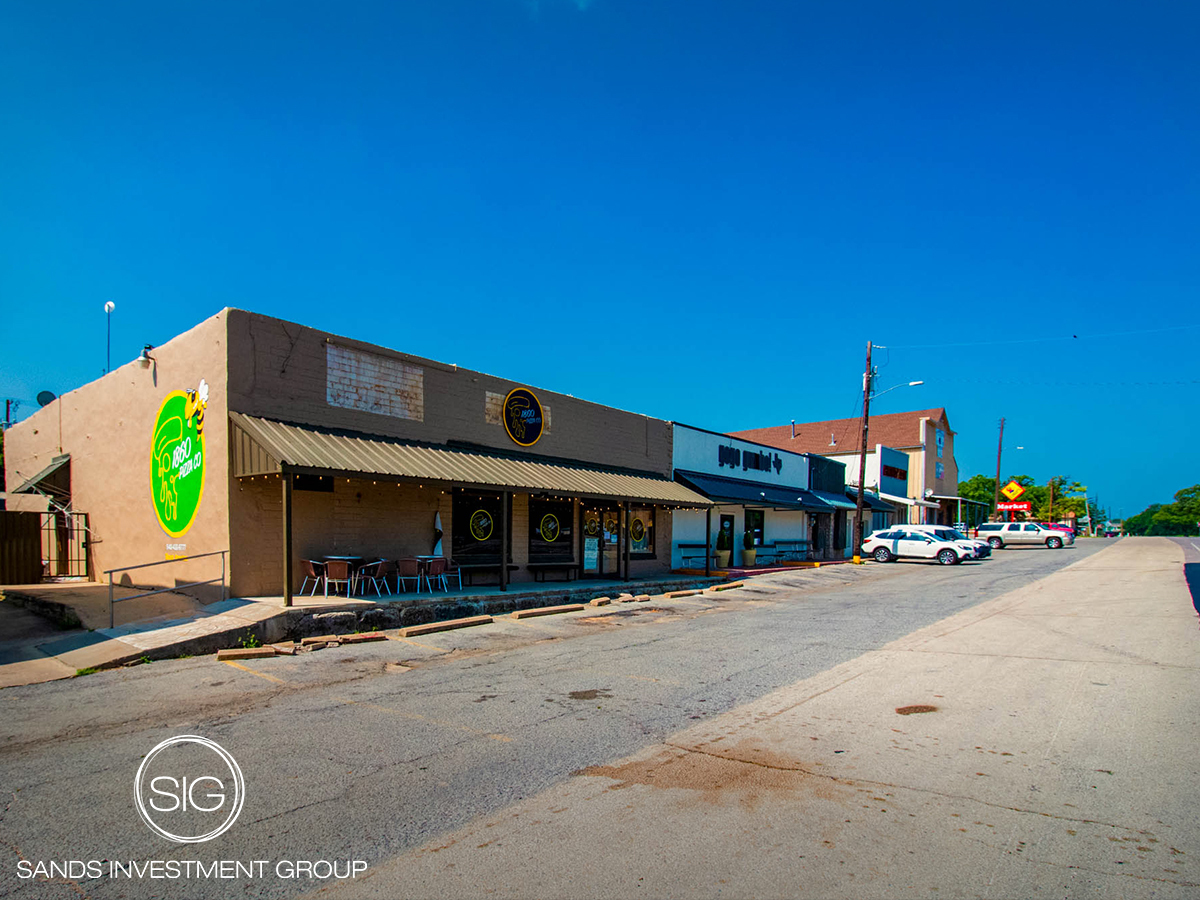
<point x="436" y="570"/>
<point x="337" y="571"/>
<point x="373" y="575"/>
<point x="407" y="569"/>
<point x="453" y="571"/>
<point x="312" y="570"/>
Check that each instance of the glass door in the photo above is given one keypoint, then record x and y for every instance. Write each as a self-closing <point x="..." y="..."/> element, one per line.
<point x="591" y="542"/>
<point x="610" y="554"/>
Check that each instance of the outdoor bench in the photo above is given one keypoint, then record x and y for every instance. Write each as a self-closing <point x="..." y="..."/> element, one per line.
<point x="539" y="570"/>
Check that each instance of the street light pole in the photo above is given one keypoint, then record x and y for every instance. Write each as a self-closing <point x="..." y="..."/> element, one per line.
<point x="862" y="461"/>
<point x="996" y="494"/>
<point x="108" y="308"/>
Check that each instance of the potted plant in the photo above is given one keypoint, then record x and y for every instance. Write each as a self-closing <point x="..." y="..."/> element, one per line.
<point x="724" y="548"/>
<point x="749" y="553"/>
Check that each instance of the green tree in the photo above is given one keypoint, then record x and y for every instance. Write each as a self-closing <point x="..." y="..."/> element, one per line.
<point x="979" y="488"/>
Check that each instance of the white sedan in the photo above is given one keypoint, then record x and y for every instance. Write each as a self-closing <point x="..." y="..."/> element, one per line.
<point x="900" y="543"/>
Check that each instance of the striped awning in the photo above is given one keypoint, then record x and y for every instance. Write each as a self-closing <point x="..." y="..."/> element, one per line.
<point x="265" y="446"/>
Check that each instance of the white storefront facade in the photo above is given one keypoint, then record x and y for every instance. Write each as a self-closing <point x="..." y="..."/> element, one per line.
<point x="755" y="488"/>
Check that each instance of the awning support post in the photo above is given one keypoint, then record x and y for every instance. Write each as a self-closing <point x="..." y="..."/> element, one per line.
<point x="287" y="538"/>
<point x="504" y="540"/>
<point x="625" y="536"/>
<point x="708" y="542"/>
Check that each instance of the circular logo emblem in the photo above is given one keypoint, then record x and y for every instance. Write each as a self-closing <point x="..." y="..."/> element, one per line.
<point x="177" y="457"/>
<point x="481" y="524"/>
<point x="523" y="417"/>
<point x="549" y="528"/>
<point x="189" y="789"/>
<point x="637" y="530"/>
<point x="591" y="526"/>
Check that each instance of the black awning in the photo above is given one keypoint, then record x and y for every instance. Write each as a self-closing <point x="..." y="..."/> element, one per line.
<point x="720" y="489"/>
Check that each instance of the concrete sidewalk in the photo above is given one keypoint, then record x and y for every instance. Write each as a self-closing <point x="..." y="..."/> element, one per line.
<point x="1042" y="743"/>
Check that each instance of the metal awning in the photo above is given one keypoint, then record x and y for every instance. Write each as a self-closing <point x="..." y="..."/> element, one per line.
<point x="265" y="446"/>
<point x="960" y="499"/>
<point x="870" y="501"/>
<point x="837" y="501"/>
<point x="721" y="489"/>
<point x="907" y="501"/>
<point x="53" y="480"/>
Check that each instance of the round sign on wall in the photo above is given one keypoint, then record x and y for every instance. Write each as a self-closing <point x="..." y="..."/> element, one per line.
<point x="549" y="528"/>
<point x="177" y="458"/>
<point x="481" y="525"/>
<point x="523" y="417"/>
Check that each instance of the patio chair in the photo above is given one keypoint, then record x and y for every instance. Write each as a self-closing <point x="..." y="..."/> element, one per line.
<point x="437" y="572"/>
<point x="408" y="569"/>
<point x="312" y="570"/>
<point x="337" y="571"/>
<point x="374" y="575"/>
<point x="453" y="572"/>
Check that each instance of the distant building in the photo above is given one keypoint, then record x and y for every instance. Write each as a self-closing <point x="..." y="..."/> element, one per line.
<point x="923" y="436"/>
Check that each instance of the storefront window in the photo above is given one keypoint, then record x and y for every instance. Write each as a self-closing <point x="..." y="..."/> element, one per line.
<point x="551" y="531"/>
<point x="754" y="525"/>
<point x="476" y="527"/>
<point x="641" y="531"/>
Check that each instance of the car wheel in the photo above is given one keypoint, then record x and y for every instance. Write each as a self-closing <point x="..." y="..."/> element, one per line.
<point x="995" y="543"/>
<point x="947" y="557"/>
<point x="1054" y="543"/>
<point x="881" y="554"/>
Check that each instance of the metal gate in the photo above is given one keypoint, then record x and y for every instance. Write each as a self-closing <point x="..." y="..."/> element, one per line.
<point x="65" y="544"/>
<point x="20" y="547"/>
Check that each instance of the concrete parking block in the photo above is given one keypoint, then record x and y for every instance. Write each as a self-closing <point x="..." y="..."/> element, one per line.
<point x="285" y="649"/>
<point x="321" y="639"/>
<point x="727" y="587"/>
<point x="362" y="638"/>
<point x="600" y="601"/>
<point x="641" y="598"/>
<point x="448" y="625"/>
<point x="547" y="611"/>
<point x="675" y="595"/>
<point x="245" y="653"/>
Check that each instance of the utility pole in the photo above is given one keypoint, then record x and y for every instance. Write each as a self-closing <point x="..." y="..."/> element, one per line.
<point x="862" y="461"/>
<point x="996" y="495"/>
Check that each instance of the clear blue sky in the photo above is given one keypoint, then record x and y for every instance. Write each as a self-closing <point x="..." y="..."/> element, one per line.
<point x="695" y="210"/>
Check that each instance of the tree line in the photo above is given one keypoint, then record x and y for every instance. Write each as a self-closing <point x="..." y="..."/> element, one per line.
<point x="1180" y="517"/>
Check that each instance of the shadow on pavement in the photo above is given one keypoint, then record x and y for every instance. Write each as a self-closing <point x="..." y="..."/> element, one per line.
<point x="1191" y="571"/>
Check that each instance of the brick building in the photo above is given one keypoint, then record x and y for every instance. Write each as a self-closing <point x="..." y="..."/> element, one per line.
<point x="280" y="443"/>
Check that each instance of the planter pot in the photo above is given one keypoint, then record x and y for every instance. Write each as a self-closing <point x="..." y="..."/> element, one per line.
<point x="722" y="559"/>
<point x="749" y="556"/>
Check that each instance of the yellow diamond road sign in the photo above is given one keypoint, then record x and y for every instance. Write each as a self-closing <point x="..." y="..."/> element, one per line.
<point x="1012" y="490"/>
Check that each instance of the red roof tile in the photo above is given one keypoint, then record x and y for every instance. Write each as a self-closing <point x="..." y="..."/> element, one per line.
<point x="898" y="430"/>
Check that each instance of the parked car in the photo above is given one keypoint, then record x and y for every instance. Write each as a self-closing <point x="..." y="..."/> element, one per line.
<point x="1060" y="526"/>
<point x="907" y="543"/>
<point x="981" y="549"/>
<point x="1001" y="534"/>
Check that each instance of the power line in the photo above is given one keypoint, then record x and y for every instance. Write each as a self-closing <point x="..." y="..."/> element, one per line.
<point x="1043" y="340"/>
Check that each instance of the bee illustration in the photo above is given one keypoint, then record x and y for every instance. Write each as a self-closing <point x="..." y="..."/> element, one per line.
<point x="197" y="402"/>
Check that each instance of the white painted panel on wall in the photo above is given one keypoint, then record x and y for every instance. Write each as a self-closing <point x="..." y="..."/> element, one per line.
<point x="373" y="383"/>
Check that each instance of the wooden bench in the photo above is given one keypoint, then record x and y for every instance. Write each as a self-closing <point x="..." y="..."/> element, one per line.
<point x="470" y="570"/>
<point x="539" y="570"/>
<point x="692" y="551"/>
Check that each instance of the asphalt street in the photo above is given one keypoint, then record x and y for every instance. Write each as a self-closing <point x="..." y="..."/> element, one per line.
<point x="364" y="752"/>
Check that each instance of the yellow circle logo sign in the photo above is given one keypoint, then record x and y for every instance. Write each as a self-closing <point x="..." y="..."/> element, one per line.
<point x="481" y="525"/>
<point x="177" y="459"/>
<point x="549" y="528"/>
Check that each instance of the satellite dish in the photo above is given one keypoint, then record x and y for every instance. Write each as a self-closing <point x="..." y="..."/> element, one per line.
<point x="45" y="398"/>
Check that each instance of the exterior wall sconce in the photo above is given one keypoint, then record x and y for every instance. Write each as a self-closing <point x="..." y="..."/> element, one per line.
<point x="145" y="359"/>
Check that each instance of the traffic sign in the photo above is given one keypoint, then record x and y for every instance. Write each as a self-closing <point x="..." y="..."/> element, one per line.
<point x="1012" y="490"/>
<point x="1024" y="505"/>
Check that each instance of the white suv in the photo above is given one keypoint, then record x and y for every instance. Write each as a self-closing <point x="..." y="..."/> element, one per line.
<point x="1000" y="534"/>
<point x="980" y="549"/>
<point x="902" y="542"/>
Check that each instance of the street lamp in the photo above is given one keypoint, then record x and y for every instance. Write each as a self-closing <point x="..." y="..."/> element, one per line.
<point x="868" y="378"/>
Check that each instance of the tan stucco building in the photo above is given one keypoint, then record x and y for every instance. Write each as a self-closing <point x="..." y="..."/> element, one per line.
<point x="273" y="440"/>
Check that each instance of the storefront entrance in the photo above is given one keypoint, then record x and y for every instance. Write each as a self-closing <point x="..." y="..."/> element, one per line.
<point x="601" y="542"/>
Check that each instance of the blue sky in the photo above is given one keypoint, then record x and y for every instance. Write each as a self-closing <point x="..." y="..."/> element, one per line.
<point x="699" y="211"/>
